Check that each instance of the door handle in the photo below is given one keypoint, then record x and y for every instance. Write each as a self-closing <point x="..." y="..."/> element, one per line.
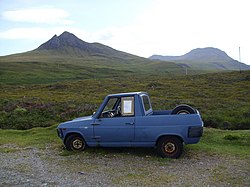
<point x="131" y="123"/>
<point x="94" y="124"/>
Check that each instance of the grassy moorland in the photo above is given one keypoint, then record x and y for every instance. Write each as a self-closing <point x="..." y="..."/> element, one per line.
<point x="37" y="68"/>
<point x="222" y="98"/>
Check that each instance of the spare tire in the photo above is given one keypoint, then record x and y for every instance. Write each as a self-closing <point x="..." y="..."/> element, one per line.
<point x="183" y="109"/>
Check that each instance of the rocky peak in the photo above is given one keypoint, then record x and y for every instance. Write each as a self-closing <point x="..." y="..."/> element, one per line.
<point x="66" y="39"/>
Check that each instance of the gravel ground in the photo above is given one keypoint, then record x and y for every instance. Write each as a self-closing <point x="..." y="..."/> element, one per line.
<point x="118" y="167"/>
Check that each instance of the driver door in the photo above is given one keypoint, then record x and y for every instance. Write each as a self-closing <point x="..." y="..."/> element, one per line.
<point x="118" y="128"/>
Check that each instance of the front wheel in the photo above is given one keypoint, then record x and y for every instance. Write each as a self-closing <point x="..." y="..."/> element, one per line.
<point x="170" y="147"/>
<point x="75" y="143"/>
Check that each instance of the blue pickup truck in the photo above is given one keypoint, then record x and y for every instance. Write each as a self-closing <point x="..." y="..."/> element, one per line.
<point x="128" y="120"/>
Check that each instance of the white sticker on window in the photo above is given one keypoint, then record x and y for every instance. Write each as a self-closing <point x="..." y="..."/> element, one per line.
<point x="127" y="106"/>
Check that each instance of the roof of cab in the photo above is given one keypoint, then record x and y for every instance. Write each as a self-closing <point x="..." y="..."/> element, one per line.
<point x="127" y="94"/>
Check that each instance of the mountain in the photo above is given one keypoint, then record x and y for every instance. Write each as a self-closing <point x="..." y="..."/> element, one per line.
<point x="205" y="59"/>
<point x="68" y="44"/>
<point x="66" y="57"/>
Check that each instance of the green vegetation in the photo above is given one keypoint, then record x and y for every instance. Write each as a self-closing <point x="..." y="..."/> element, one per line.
<point x="39" y="68"/>
<point x="222" y="98"/>
<point x="37" y="137"/>
<point x="227" y="142"/>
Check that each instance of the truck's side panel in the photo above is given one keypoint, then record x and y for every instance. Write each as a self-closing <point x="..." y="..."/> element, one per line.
<point x="149" y="128"/>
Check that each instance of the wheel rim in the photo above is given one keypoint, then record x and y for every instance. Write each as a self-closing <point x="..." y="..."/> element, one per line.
<point x="183" y="112"/>
<point x="77" y="144"/>
<point x="169" y="147"/>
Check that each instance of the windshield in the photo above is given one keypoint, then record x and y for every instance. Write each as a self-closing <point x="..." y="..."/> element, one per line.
<point x="111" y="104"/>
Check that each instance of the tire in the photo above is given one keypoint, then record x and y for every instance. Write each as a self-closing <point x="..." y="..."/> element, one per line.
<point x="170" y="147"/>
<point x="183" y="109"/>
<point x="75" y="143"/>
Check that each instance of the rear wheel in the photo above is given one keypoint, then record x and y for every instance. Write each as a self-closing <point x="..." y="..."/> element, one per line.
<point x="75" y="143"/>
<point x="170" y="147"/>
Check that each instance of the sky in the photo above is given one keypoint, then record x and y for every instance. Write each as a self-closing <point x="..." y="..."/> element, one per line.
<point x="139" y="27"/>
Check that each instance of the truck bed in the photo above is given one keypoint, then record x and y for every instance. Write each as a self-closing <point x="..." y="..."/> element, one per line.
<point x="161" y="112"/>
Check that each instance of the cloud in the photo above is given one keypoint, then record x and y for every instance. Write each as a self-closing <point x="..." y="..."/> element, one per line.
<point x="23" y="33"/>
<point x="32" y="33"/>
<point x="176" y="27"/>
<point x="41" y="33"/>
<point x="38" y="15"/>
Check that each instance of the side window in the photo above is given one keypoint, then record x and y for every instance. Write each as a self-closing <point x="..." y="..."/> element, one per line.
<point x="110" y="104"/>
<point x="127" y="106"/>
<point x="146" y="103"/>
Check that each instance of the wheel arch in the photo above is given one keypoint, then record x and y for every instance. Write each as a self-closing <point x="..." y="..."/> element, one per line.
<point x="168" y="135"/>
<point x="73" y="133"/>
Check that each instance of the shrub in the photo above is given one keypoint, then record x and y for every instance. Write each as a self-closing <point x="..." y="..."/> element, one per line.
<point x="231" y="137"/>
<point x="20" y="111"/>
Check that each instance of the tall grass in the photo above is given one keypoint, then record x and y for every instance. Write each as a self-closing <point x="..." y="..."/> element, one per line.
<point x="222" y="98"/>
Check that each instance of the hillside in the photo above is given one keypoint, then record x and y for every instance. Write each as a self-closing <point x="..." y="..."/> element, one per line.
<point x="205" y="59"/>
<point x="67" y="57"/>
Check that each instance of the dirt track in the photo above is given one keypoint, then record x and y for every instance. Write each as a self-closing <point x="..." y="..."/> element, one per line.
<point x="119" y="167"/>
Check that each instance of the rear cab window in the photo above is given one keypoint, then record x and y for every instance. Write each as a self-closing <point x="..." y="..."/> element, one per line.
<point x="146" y="104"/>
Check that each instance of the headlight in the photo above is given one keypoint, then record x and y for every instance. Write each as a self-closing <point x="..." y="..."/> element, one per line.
<point x="59" y="133"/>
